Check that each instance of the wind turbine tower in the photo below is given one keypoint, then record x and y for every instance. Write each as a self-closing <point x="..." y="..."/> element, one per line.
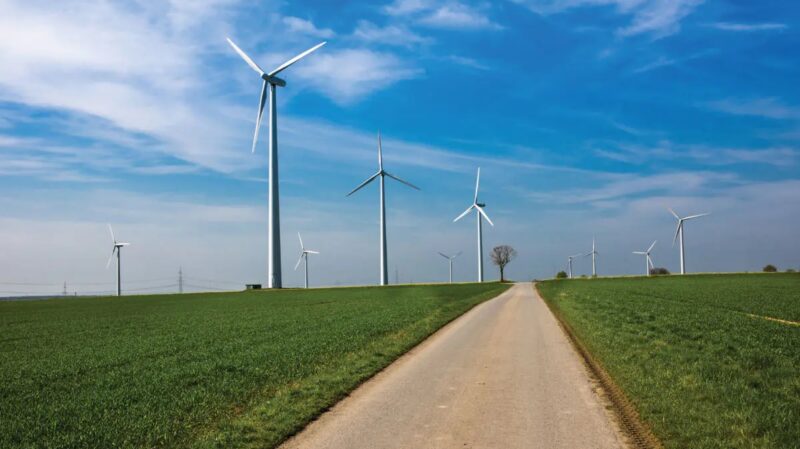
<point x="648" y="262"/>
<point x="594" y="259"/>
<point x="569" y="263"/>
<point x="450" y="262"/>
<point x="117" y="248"/>
<point x="270" y="82"/>
<point x="304" y="258"/>
<point x="381" y="174"/>
<point x="479" y="214"/>
<point x="679" y="232"/>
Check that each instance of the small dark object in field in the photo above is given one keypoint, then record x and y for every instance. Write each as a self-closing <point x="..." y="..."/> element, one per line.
<point x="659" y="271"/>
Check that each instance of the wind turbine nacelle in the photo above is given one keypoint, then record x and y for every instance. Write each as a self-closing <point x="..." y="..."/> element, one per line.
<point x="480" y="204"/>
<point x="273" y="80"/>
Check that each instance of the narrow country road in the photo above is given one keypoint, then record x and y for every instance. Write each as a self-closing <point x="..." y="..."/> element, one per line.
<point x="502" y="376"/>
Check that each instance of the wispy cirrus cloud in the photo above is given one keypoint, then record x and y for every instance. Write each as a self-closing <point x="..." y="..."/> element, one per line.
<point x="658" y="18"/>
<point x="767" y="107"/>
<point x="749" y="27"/>
<point x="777" y="156"/>
<point x="451" y="15"/>
<point x="303" y="26"/>
<point x="395" y="35"/>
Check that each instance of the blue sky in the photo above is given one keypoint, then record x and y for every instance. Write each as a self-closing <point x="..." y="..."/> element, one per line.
<point x="588" y="117"/>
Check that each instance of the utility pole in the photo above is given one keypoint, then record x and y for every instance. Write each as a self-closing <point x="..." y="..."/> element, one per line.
<point x="180" y="279"/>
<point x="65" y="289"/>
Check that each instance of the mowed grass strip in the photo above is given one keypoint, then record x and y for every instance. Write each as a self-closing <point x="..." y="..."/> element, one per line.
<point x="700" y="371"/>
<point x="211" y="370"/>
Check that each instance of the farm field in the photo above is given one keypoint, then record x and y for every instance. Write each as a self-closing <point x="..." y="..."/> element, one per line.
<point x="211" y="370"/>
<point x="696" y="354"/>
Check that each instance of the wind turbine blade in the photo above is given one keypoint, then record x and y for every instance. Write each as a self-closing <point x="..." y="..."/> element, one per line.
<point x="650" y="261"/>
<point x="398" y="179"/>
<point x="463" y="213"/>
<point x="380" y="153"/>
<point x="480" y="209"/>
<point x="112" y="233"/>
<point x="122" y="244"/>
<point x="677" y="231"/>
<point x="295" y="59"/>
<point x="260" y="115"/>
<point x="301" y="241"/>
<point x="640" y="253"/>
<point x="477" y="185"/>
<point x="457" y="254"/>
<point x="696" y="216"/>
<point x="111" y="257"/>
<point x="442" y="254"/>
<point x="312" y="252"/>
<point x="673" y="213"/>
<point x="298" y="261"/>
<point x="651" y="246"/>
<point x="369" y="180"/>
<point x="246" y="58"/>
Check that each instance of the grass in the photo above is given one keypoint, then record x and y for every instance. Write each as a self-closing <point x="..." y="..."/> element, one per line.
<point x="693" y="355"/>
<point x="234" y="370"/>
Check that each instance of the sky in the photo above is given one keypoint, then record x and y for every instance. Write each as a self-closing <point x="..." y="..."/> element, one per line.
<point x="588" y="118"/>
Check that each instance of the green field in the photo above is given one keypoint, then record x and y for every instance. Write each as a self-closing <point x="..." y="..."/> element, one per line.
<point x="694" y="353"/>
<point x="203" y="370"/>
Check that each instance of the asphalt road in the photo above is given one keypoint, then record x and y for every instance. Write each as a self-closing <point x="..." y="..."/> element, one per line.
<point x="502" y="376"/>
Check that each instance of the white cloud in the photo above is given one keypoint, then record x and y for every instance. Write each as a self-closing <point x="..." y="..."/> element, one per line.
<point x="457" y="16"/>
<point x="389" y="35"/>
<point x="348" y="75"/>
<point x="662" y="61"/>
<point x="451" y="15"/>
<point x="769" y="107"/>
<point x="404" y="7"/>
<point x="728" y="26"/>
<point x="468" y="62"/>
<point x="658" y="18"/>
<point x="298" y="25"/>
<point x="778" y="156"/>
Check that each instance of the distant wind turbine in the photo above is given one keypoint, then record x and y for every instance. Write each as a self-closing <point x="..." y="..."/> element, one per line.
<point x="304" y="258"/>
<point x="384" y="273"/>
<point x="648" y="262"/>
<point x="450" y="262"/>
<point x="117" y="248"/>
<point x="478" y="213"/>
<point x="569" y="263"/>
<point x="679" y="232"/>
<point x="271" y="80"/>
<point x="594" y="259"/>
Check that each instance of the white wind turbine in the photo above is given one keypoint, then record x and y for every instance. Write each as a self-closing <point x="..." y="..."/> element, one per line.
<point x="117" y="248"/>
<point x="304" y="257"/>
<point x="594" y="259"/>
<point x="271" y="80"/>
<point x="569" y="263"/>
<point x="479" y="212"/>
<point x="381" y="174"/>
<point x="450" y="262"/>
<point x="648" y="262"/>
<point x="679" y="231"/>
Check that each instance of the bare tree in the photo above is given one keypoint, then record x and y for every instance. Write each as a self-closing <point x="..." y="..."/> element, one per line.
<point x="501" y="256"/>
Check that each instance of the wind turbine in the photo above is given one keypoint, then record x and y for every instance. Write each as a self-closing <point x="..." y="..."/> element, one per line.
<point x="569" y="263"/>
<point x="679" y="231"/>
<point x="450" y="260"/>
<point x="594" y="259"/>
<point x="648" y="262"/>
<point x="117" y="248"/>
<point x="304" y="257"/>
<point x="382" y="174"/>
<point x="479" y="212"/>
<point x="271" y="80"/>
